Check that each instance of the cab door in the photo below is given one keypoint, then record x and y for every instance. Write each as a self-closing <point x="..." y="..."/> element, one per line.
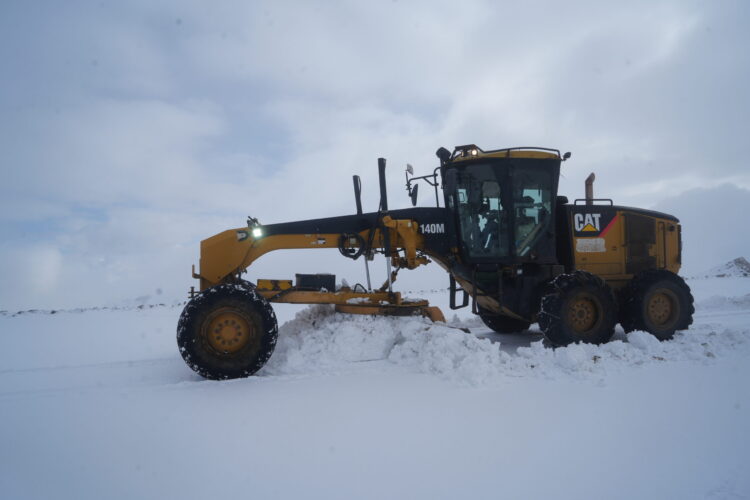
<point x="482" y="209"/>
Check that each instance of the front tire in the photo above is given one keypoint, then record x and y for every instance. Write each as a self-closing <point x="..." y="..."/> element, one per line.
<point x="659" y="302"/>
<point x="579" y="308"/>
<point x="227" y="331"/>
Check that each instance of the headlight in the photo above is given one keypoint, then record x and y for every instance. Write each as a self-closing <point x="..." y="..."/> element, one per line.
<point x="257" y="232"/>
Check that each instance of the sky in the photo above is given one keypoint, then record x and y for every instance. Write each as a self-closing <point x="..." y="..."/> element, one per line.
<point x="130" y="131"/>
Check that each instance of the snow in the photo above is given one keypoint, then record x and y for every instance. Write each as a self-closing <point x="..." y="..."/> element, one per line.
<point x="710" y="288"/>
<point x="99" y="404"/>
<point x="358" y="300"/>
<point x="448" y="352"/>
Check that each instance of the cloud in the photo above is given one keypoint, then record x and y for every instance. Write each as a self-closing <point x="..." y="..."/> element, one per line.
<point x="113" y="151"/>
<point x="130" y="132"/>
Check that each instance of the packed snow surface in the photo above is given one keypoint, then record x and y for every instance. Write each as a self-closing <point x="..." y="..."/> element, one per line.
<point x="97" y="403"/>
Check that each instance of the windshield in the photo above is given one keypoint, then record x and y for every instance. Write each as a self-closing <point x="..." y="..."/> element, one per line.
<point x="503" y="208"/>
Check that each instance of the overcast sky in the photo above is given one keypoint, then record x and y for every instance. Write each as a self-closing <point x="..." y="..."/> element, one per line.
<point x="132" y="130"/>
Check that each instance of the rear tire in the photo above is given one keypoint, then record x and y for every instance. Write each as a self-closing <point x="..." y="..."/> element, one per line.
<point x="227" y="331"/>
<point x="659" y="302"/>
<point x="579" y="308"/>
<point x="502" y="324"/>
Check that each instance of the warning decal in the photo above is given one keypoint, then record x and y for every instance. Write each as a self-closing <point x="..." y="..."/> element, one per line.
<point x="591" y="245"/>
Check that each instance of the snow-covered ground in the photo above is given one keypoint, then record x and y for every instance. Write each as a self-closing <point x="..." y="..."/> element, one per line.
<point x="99" y="404"/>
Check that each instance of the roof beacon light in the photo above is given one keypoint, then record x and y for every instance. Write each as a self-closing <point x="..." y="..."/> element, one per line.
<point x="468" y="150"/>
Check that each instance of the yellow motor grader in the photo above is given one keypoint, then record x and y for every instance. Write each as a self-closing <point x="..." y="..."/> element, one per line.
<point x="515" y="251"/>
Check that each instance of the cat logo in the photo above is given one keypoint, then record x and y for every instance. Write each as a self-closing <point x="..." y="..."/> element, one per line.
<point x="587" y="223"/>
<point x="592" y="224"/>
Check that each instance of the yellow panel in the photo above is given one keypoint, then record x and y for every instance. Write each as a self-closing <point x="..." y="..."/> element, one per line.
<point x="670" y="245"/>
<point x="602" y="255"/>
<point x="607" y="256"/>
<point x="274" y="284"/>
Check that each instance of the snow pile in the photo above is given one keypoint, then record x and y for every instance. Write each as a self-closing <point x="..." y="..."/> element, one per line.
<point x="467" y="359"/>
<point x="699" y="344"/>
<point x="319" y="340"/>
<point x="738" y="267"/>
<point x="466" y="322"/>
<point x="448" y="352"/>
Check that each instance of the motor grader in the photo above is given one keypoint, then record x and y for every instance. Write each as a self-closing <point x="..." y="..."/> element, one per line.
<point x="515" y="252"/>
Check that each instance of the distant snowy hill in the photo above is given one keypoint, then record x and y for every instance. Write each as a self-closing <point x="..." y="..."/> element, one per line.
<point x="737" y="268"/>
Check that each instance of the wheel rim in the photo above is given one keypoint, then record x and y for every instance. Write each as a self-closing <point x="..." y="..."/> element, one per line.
<point x="583" y="313"/>
<point x="662" y="308"/>
<point x="228" y="330"/>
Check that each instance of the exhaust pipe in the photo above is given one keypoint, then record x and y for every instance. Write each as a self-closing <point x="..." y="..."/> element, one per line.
<point x="383" y="192"/>
<point x="386" y="232"/>
<point x="357" y="193"/>
<point x="590" y="189"/>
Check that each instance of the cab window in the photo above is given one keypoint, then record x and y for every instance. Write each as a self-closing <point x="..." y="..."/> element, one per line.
<point x="533" y="207"/>
<point x="482" y="213"/>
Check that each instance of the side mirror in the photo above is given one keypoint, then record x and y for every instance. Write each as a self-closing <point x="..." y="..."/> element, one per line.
<point x="566" y="156"/>
<point x="413" y="194"/>
<point x="443" y="154"/>
<point x="409" y="169"/>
